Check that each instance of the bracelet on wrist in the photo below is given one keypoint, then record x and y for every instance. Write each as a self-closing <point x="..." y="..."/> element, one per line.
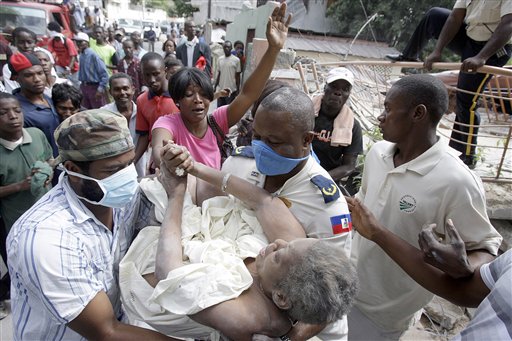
<point x="225" y="182"/>
<point x="285" y="337"/>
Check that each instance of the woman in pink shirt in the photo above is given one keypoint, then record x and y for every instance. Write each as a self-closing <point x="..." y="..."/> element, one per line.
<point x="192" y="91"/>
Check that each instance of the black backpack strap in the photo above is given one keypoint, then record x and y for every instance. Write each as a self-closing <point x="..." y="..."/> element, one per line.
<point x="219" y="135"/>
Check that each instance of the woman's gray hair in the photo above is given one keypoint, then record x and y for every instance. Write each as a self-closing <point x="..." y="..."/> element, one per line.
<point x="322" y="286"/>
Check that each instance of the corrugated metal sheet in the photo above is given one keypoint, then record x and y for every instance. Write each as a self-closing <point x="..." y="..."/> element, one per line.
<point x="339" y="46"/>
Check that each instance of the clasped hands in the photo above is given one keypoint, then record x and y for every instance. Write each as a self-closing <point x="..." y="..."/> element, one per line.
<point x="175" y="163"/>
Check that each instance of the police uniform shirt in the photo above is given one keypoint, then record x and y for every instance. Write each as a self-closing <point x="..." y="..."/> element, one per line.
<point x="320" y="207"/>
<point x="483" y="16"/>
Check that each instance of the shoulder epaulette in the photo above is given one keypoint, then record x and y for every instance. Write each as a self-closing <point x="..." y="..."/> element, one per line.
<point x="245" y="151"/>
<point x="328" y="187"/>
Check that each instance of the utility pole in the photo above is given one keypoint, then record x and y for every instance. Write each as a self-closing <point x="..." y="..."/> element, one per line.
<point x="209" y="9"/>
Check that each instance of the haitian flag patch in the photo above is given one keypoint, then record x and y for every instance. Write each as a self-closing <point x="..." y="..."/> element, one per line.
<point x="341" y="224"/>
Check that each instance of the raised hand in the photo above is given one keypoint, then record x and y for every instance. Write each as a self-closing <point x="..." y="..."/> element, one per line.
<point x="277" y="27"/>
<point x="450" y="258"/>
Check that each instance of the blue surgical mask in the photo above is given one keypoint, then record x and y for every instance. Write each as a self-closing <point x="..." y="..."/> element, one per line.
<point x="118" y="189"/>
<point x="270" y="163"/>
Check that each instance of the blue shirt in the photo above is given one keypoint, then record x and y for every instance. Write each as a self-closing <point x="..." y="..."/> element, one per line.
<point x="92" y="69"/>
<point x="39" y="116"/>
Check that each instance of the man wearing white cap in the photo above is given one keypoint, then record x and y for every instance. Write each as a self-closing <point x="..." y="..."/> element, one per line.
<point x="92" y="74"/>
<point x="338" y="138"/>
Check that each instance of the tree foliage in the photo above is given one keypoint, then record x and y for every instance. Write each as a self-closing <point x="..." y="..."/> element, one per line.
<point x="182" y="8"/>
<point x="395" y="23"/>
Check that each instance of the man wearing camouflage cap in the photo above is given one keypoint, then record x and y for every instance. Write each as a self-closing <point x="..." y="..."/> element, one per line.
<point x="64" y="252"/>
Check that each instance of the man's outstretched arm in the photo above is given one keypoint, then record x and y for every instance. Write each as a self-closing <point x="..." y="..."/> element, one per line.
<point x="467" y="291"/>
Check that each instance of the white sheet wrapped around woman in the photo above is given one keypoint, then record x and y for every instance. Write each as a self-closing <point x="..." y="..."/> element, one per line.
<point x="216" y="239"/>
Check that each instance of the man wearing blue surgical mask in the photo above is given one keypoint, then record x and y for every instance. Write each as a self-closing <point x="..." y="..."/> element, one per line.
<point x="64" y="252"/>
<point x="280" y="161"/>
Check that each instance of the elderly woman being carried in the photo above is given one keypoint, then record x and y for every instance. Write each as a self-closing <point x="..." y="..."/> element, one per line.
<point x="214" y="270"/>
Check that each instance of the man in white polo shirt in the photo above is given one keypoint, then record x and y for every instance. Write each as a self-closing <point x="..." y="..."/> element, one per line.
<point x="410" y="179"/>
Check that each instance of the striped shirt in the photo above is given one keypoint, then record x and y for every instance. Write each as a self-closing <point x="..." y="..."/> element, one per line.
<point x="493" y="318"/>
<point x="92" y="69"/>
<point x="60" y="256"/>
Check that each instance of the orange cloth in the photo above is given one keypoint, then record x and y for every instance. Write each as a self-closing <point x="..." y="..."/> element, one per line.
<point x="341" y="134"/>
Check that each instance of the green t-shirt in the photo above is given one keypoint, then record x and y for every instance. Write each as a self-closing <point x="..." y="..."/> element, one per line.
<point x="106" y="52"/>
<point x="15" y="166"/>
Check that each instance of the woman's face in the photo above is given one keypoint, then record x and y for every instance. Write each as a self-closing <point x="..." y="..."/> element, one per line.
<point x="45" y="61"/>
<point x="194" y="106"/>
<point x="169" y="47"/>
<point x="274" y="261"/>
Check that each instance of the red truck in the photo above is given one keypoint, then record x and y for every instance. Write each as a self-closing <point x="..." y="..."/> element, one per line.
<point x="34" y="16"/>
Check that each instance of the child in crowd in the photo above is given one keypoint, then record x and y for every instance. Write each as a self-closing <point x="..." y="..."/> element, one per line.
<point x="66" y="99"/>
<point x="25" y="175"/>
<point x="172" y="65"/>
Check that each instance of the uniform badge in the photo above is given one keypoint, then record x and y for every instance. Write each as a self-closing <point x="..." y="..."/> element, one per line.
<point x="328" y="187"/>
<point x="341" y="223"/>
<point x="245" y="151"/>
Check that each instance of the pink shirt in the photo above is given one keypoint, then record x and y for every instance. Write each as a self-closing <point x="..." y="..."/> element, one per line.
<point x="205" y="149"/>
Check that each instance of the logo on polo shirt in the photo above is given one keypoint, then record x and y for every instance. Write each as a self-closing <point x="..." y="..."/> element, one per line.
<point x="407" y="204"/>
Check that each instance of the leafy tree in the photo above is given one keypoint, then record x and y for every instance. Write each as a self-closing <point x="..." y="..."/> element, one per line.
<point x="395" y="23"/>
<point x="182" y="8"/>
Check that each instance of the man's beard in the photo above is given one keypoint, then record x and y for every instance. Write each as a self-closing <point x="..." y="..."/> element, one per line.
<point x="91" y="191"/>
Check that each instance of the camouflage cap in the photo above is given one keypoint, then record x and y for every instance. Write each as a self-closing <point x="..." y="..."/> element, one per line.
<point x="93" y="135"/>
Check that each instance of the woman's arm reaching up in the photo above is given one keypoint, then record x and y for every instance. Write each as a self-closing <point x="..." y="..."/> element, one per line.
<point x="169" y="254"/>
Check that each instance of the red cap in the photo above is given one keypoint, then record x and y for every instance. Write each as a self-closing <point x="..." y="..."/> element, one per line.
<point x="21" y="61"/>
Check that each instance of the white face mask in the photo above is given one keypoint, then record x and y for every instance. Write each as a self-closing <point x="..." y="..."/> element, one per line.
<point x="118" y="189"/>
